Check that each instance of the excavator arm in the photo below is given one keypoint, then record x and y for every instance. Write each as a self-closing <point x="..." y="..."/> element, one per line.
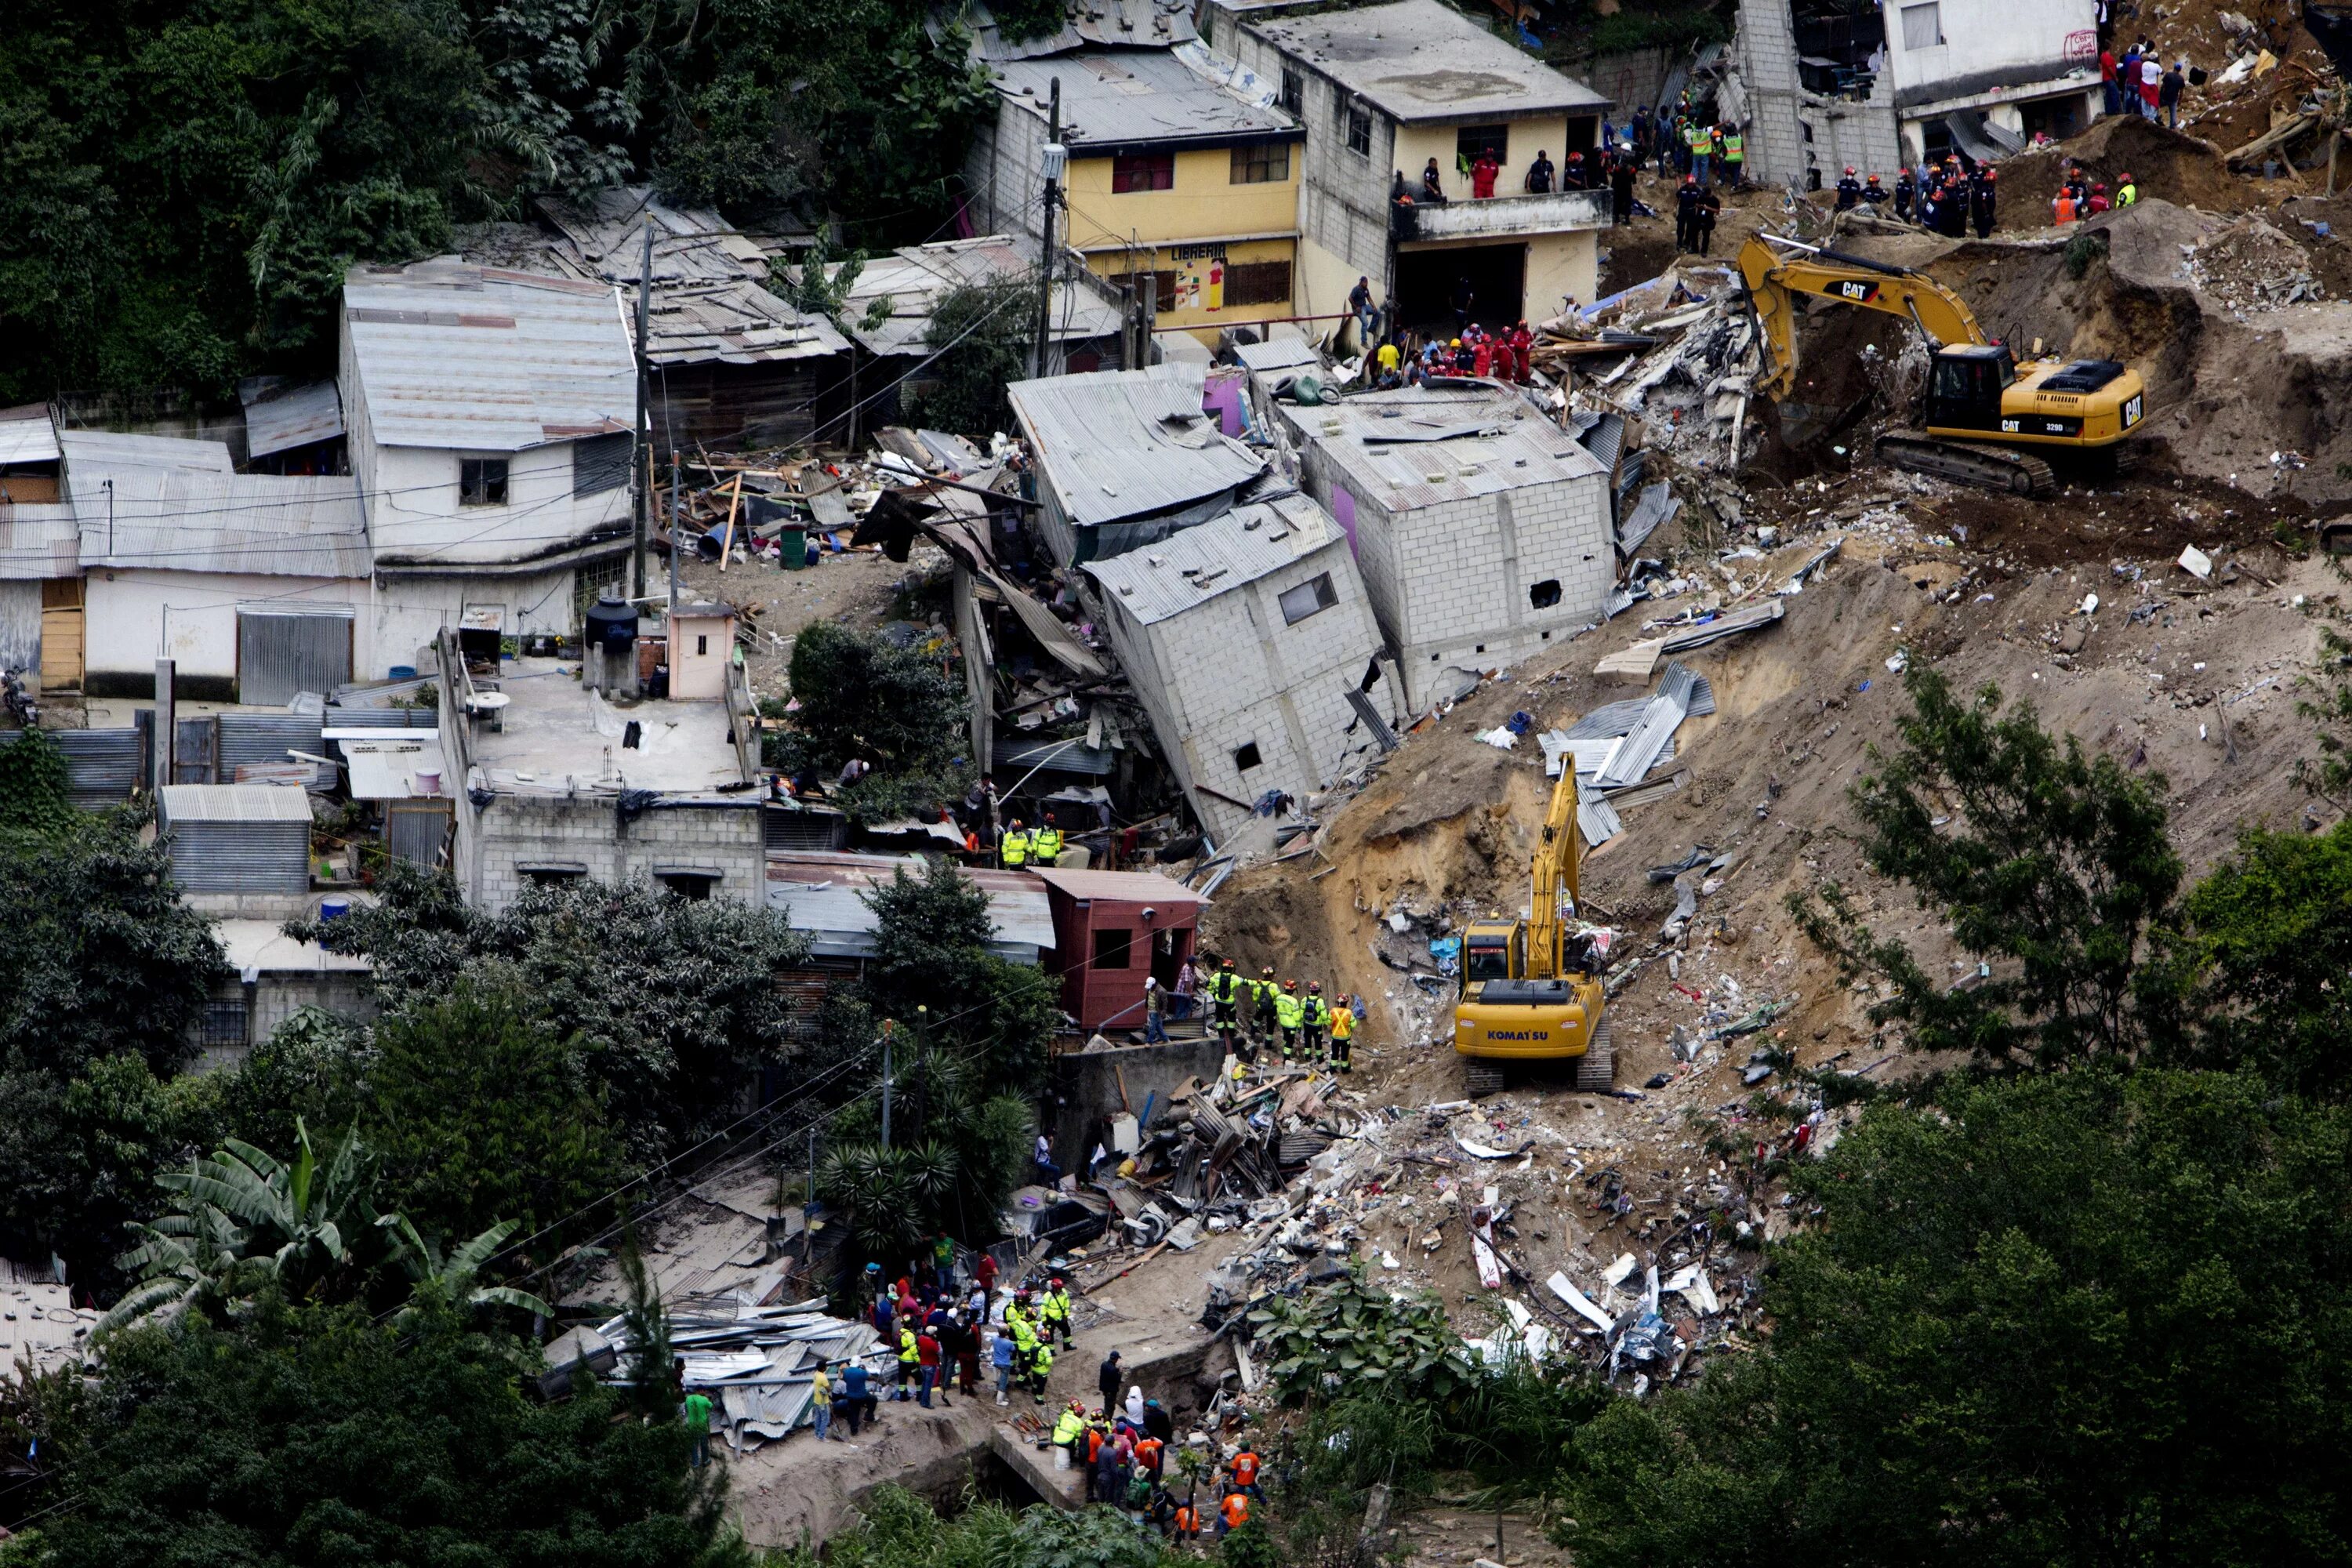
<point x="1775" y="277"/>
<point x="1555" y="863"/>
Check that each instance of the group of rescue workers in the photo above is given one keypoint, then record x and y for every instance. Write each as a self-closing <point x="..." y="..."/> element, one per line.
<point x="1251" y="1015"/>
<point x="1123" y="1451"/>
<point x="1024" y="846"/>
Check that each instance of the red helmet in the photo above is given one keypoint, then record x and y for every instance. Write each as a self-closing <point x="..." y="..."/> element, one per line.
<point x="1576" y="157"/>
<point x="1690" y="179"/>
<point x="1849" y="168"/>
<point x="1872" y="180"/>
<point x="2124" y="177"/>
<point x="2101" y="189"/>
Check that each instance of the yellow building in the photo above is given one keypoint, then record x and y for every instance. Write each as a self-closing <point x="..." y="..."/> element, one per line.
<point x="1176" y="174"/>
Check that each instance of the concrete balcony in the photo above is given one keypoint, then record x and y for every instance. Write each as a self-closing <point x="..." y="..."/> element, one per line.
<point x="1505" y="217"/>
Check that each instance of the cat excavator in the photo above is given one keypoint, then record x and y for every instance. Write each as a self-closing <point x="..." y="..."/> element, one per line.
<point x="1530" y="991"/>
<point x="1985" y="412"/>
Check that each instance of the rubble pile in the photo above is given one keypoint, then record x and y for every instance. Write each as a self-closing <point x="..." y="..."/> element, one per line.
<point x="2250" y="266"/>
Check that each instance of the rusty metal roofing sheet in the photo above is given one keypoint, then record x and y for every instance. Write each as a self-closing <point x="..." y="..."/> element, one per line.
<point x="1109" y="24"/>
<point x="1129" y="443"/>
<point x="913" y="278"/>
<point x="1418" y="60"/>
<point x="1193" y="566"/>
<point x="176" y="505"/>
<point x="478" y="359"/>
<point x="280" y="416"/>
<point x="711" y="301"/>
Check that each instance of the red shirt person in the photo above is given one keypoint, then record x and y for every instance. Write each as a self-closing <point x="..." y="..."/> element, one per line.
<point x="1482" y="173"/>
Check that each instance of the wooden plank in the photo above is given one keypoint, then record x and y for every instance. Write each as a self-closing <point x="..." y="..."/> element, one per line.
<point x="734" y="499"/>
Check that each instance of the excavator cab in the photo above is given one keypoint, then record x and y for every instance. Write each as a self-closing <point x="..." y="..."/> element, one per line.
<point x="1965" y="386"/>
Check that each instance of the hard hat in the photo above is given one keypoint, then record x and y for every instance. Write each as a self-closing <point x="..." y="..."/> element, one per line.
<point x="2098" y="187"/>
<point x="2123" y="178"/>
<point x="1228" y="963"/>
<point x="1849" y="168"/>
<point x="1016" y="822"/>
<point x="1058" y="1282"/>
<point x="1576" y="157"/>
<point x="1290" y="985"/>
<point x="1456" y="344"/>
<point x="1873" y="180"/>
<point x="1690" y="179"/>
<point x="1316" y="987"/>
<point x="1267" y="971"/>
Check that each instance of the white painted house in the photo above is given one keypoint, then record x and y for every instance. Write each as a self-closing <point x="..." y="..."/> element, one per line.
<point x="255" y="584"/>
<point x="488" y="417"/>
<point x="2019" y="71"/>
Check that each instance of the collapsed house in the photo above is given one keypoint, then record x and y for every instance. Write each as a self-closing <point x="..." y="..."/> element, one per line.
<point x="733" y="365"/>
<point x="1482" y="529"/>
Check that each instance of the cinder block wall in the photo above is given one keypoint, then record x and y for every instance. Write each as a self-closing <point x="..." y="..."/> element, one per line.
<point x="515" y="831"/>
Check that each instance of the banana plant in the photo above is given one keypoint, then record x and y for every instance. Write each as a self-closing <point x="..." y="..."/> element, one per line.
<point x="455" y="1279"/>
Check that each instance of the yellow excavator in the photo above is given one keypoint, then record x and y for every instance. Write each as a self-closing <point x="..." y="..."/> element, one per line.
<point x="1984" y="410"/>
<point x="1528" y="992"/>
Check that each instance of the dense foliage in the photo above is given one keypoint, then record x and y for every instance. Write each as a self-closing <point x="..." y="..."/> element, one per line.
<point x="668" y="1006"/>
<point x="2075" y="1319"/>
<point x="1355" y="1334"/>
<point x="316" y="1434"/>
<point x="184" y="181"/>
<point x="860" y="696"/>
<point x="899" y="1530"/>
<point x="101" y="982"/>
<point x="980" y="334"/>
<point x="969" y="1049"/>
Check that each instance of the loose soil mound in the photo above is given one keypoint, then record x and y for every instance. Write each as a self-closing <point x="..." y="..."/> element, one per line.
<point x="2163" y="163"/>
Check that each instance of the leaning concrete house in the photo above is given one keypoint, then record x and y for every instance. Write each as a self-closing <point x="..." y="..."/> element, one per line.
<point x="1252" y="646"/>
<point x="1482" y="528"/>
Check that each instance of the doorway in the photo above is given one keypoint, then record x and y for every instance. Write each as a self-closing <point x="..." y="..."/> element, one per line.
<point x="1427" y="282"/>
<point x="61" y="633"/>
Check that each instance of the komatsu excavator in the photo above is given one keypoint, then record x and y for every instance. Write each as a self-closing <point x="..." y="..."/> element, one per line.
<point x="1528" y="991"/>
<point x="1984" y="410"/>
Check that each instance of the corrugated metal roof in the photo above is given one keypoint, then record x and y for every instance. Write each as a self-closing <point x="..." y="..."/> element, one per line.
<point x="914" y="277"/>
<point x="1282" y="353"/>
<point x="180" y="506"/>
<point x="280" y="417"/>
<point x="233" y="803"/>
<point x="1126" y="887"/>
<point x="1404" y="446"/>
<point x="824" y="895"/>
<point x="709" y="302"/>
<point x="1195" y="566"/>
<point x="1114" y="23"/>
<point x="1014" y="754"/>
<point x="38" y="539"/>
<point x="1128" y="443"/>
<point x="1420" y="61"/>
<point x="27" y="435"/>
<point x="1123" y="97"/>
<point x="477" y="359"/>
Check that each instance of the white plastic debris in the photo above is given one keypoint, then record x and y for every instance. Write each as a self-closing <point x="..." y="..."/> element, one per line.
<point x="2196" y="563"/>
<point x="2090" y="603"/>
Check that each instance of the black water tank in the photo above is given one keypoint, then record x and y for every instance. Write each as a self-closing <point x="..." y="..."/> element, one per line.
<point x="612" y="624"/>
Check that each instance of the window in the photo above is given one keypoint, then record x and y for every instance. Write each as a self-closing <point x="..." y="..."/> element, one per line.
<point x="1472" y="140"/>
<point x="1112" y="947"/>
<point x="601" y="463"/>
<point x="481" y="481"/>
<point x="553" y="876"/>
<point x="1246" y="758"/>
<point x="1266" y="164"/>
<point x="1165" y="286"/>
<point x="1923" y="25"/>
<point x="701" y="646"/>
<point x="589" y="580"/>
<point x="1294" y="91"/>
<point x="1257" y="283"/>
<point x="1545" y="595"/>
<point x="1360" y="132"/>
<point x="1314" y="593"/>
<point x="1143" y="172"/>
<point x="225" y="1024"/>
<point x="692" y="885"/>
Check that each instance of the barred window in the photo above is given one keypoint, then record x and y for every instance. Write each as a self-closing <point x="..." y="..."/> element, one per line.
<point x="1257" y="283"/>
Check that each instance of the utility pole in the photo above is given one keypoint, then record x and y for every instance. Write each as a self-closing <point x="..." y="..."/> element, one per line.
<point x="888" y="1026"/>
<point x="677" y="522"/>
<point x="642" y="477"/>
<point x="1052" y="158"/>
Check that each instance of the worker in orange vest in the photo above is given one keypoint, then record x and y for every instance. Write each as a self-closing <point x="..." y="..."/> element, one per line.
<point x="1233" y="1514"/>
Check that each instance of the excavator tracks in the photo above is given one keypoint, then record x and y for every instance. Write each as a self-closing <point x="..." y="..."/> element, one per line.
<point x="1597" y="1068"/>
<point x="1485" y="1079"/>
<point x="1986" y="467"/>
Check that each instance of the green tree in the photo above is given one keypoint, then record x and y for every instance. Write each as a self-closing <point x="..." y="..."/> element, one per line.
<point x="982" y="333"/>
<point x="670" y="1005"/>
<point x="35" y="794"/>
<point x="312" y="1434"/>
<point x="2054" y="871"/>
<point x="2266" y="951"/>
<point x="78" y="1162"/>
<point x="2084" y="1319"/>
<point x="862" y="696"/>
<point x="478" y="1112"/>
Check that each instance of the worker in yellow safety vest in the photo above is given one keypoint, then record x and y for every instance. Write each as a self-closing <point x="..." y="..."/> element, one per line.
<point x="1313" y="1018"/>
<point x="1288" y="1013"/>
<point x="1053" y="1314"/>
<point x="1225" y="989"/>
<point x="910" y="1360"/>
<point x="1045" y="844"/>
<point x="1343" y="1035"/>
<point x="1268" y="1014"/>
<point x="1016" y="847"/>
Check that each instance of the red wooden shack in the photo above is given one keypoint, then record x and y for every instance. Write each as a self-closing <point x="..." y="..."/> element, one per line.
<point x="1111" y="929"/>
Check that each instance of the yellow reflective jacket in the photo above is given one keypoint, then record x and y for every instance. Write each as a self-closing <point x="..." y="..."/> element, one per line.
<point x="1287" y="1010"/>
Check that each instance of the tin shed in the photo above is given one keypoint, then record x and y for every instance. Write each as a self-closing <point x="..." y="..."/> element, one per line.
<point x="237" y="838"/>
